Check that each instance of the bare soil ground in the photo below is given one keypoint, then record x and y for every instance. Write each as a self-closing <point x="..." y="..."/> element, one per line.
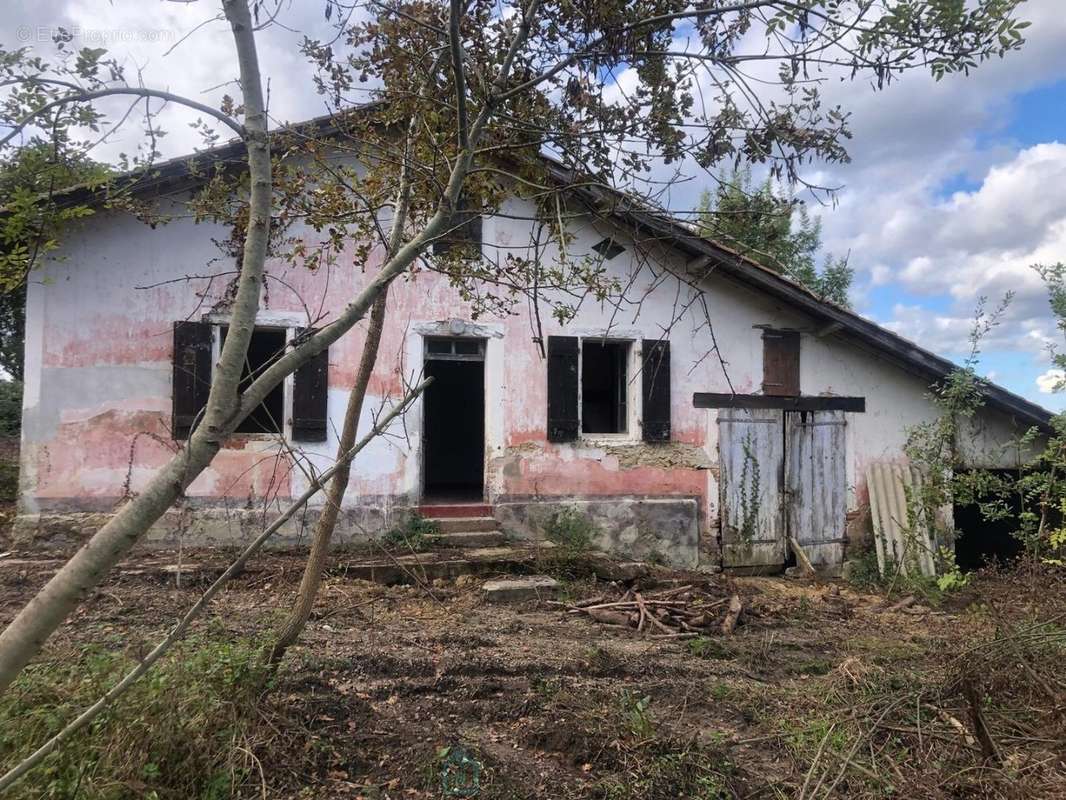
<point x="821" y="691"/>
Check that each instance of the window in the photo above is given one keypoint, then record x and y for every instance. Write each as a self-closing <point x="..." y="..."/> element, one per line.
<point x="455" y="349"/>
<point x="265" y="347"/>
<point x="463" y="236"/>
<point x="195" y="353"/>
<point x="608" y="248"/>
<point x="781" y="363"/>
<point x="604" y="386"/>
<point x="592" y="388"/>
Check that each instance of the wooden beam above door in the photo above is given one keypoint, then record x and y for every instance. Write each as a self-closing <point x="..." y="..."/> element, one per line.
<point x="785" y="402"/>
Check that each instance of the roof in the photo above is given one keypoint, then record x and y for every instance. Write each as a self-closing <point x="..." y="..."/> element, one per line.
<point x="702" y="253"/>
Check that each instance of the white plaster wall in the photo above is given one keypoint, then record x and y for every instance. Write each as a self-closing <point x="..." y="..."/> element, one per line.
<point x="98" y="368"/>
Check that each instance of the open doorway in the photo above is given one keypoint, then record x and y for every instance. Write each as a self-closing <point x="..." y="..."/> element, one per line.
<point x="982" y="541"/>
<point x="454" y="420"/>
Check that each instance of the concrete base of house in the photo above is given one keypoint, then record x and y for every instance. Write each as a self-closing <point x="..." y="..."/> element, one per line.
<point x="206" y="527"/>
<point x="651" y="529"/>
<point x="663" y="530"/>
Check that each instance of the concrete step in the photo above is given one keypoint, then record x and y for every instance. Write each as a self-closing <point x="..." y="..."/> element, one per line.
<point x="430" y="566"/>
<point x="465" y="524"/>
<point x="470" y="539"/>
<point x="521" y="589"/>
<point x="437" y="510"/>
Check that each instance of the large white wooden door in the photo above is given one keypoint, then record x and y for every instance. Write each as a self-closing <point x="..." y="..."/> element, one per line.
<point x="816" y="483"/>
<point x="751" y="454"/>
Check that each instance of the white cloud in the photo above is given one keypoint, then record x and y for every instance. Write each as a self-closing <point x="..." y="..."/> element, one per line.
<point x="1050" y="381"/>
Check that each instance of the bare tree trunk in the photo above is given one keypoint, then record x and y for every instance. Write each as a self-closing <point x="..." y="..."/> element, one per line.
<point x="338" y="485"/>
<point x="27" y="633"/>
<point x="88" y="715"/>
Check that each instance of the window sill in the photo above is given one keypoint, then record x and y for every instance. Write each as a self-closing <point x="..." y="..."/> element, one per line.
<point x="256" y="441"/>
<point x="600" y="439"/>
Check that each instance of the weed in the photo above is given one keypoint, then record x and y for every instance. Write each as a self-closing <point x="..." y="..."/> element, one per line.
<point x="805" y="738"/>
<point x="416" y="534"/>
<point x="705" y="647"/>
<point x="571" y="531"/>
<point x="863" y="573"/>
<point x="721" y="691"/>
<point x="637" y="714"/>
<point x="815" y="666"/>
<point x="182" y="731"/>
<point x="672" y="771"/>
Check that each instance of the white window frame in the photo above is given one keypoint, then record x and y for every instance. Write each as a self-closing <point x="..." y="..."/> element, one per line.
<point x="278" y="321"/>
<point x="634" y="395"/>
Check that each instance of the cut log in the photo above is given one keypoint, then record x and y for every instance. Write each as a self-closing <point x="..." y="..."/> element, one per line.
<point x="732" y="615"/>
<point x="609" y="617"/>
<point x="909" y="600"/>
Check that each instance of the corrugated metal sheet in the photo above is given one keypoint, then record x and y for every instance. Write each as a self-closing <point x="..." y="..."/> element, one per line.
<point x="896" y="543"/>
<point x="751" y="452"/>
<point x="816" y="483"/>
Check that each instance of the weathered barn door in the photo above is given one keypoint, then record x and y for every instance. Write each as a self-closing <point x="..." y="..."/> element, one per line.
<point x="815" y="483"/>
<point x="751" y="450"/>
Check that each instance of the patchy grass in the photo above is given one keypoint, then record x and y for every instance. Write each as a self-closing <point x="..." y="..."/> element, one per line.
<point x="184" y="731"/>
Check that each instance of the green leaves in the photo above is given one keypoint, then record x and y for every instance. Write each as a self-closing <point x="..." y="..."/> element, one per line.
<point x="760" y="223"/>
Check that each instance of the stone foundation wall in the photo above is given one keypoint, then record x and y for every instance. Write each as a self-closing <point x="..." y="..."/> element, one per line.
<point x="206" y="527"/>
<point x="665" y="529"/>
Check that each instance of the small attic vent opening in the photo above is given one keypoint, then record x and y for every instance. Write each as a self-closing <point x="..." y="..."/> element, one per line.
<point x="608" y="248"/>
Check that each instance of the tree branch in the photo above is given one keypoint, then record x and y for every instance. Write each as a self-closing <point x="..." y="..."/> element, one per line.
<point x="133" y="91"/>
<point x="89" y="714"/>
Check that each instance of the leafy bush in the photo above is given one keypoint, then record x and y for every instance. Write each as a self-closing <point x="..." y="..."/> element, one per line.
<point x="9" y="481"/>
<point x="415" y="534"/>
<point x="863" y="572"/>
<point x="183" y="731"/>
<point x="10" y="408"/>
<point x="571" y="530"/>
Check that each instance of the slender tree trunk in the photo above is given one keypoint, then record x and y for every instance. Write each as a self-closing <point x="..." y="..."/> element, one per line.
<point x="27" y="633"/>
<point x="338" y="485"/>
<point x="38" y="620"/>
<point x="88" y="715"/>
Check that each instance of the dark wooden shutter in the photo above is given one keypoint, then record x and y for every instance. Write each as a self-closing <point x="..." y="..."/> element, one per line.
<point x="781" y="363"/>
<point x="310" y="398"/>
<point x="192" y="375"/>
<point x="655" y="375"/>
<point x="562" y="388"/>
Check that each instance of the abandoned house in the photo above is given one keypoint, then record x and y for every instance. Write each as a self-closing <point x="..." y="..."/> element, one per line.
<point x="630" y="418"/>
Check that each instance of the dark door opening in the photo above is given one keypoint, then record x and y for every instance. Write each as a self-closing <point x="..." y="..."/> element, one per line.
<point x="454" y="427"/>
<point x="981" y="541"/>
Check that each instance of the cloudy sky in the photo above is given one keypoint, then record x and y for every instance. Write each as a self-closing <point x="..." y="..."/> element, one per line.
<point x="955" y="188"/>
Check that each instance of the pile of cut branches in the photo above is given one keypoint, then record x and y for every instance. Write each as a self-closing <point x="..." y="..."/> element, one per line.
<point x="684" y="612"/>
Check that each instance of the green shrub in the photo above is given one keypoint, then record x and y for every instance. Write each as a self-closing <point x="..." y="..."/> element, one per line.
<point x="10" y="408"/>
<point x="863" y="572"/>
<point x="9" y="481"/>
<point x="705" y="647"/>
<point x="571" y="530"/>
<point x="182" y="731"/>
<point x="415" y="534"/>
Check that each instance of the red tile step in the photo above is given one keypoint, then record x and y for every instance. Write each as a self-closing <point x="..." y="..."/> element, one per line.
<point x="439" y="511"/>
